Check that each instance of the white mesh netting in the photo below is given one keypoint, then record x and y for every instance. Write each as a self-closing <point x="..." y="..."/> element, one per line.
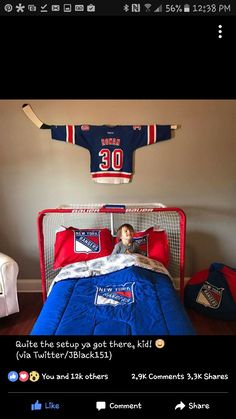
<point x="169" y="220"/>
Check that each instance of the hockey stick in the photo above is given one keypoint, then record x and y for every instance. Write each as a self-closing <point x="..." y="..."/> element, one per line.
<point x="36" y="121"/>
<point x="31" y="115"/>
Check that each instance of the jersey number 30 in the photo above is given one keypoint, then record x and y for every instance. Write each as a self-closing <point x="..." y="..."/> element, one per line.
<point x="111" y="159"/>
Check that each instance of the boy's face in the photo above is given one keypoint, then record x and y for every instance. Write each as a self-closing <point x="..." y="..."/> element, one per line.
<point x="126" y="234"/>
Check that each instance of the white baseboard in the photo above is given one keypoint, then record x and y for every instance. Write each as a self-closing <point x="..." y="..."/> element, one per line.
<point x="34" y="285"/>
<point x="29" y="285"/>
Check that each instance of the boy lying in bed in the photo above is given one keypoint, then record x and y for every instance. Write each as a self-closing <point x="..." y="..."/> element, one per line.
<point x="126" y="244"/>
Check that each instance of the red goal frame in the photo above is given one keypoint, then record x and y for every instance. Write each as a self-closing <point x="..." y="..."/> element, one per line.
<point x="172" y="219"/>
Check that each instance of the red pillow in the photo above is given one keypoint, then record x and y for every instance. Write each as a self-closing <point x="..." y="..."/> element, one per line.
<point x="75" y="245"/>
<point x="154" y="243"/>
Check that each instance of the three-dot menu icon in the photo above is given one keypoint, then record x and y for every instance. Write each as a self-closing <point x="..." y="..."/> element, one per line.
<point x="220" y="32"/>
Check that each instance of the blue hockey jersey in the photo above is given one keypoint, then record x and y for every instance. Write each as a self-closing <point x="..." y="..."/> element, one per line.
<point x="111" y="147"/>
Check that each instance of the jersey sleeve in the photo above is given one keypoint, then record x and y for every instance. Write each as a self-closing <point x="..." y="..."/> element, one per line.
<point x="150" y="134"/>
<point x="70" y="134"/>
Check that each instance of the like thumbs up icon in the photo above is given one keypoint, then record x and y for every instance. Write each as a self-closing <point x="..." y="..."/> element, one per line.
<point x="36" y="405"/>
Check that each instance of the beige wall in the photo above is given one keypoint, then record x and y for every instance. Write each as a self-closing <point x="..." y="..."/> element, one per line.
<point x="196" y="171"/>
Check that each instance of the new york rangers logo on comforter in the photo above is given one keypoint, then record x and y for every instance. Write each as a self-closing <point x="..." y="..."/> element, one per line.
<point x="114" y="295"/>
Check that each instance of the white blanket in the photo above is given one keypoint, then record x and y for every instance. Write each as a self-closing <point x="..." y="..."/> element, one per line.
<point x="108" y="264"/>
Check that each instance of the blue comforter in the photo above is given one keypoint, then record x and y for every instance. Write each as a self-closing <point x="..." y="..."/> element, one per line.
<point x="131" y="301"/>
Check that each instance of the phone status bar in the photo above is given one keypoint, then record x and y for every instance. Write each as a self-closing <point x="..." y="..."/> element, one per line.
<point x="115" y="8"/>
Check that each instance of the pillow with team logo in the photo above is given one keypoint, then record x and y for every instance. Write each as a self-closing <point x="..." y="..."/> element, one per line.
<point x="154" y="243"/>
<point x="77" y="245"/>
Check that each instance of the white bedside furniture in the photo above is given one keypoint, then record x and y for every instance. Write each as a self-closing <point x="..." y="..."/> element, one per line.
<point x="8" y="286"/>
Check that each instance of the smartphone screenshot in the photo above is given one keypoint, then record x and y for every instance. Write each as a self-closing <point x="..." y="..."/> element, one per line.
<point x="118" y="209"/>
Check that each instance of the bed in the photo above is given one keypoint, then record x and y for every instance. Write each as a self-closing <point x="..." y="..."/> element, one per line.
<point x="88" y="291"/>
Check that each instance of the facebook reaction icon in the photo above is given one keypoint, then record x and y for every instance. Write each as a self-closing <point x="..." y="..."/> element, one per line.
<point x="36" y="405"/>
<point x="12" y="376"/>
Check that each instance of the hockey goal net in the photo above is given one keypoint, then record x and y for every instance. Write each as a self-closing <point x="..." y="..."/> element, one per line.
<point x="140" y="216"/>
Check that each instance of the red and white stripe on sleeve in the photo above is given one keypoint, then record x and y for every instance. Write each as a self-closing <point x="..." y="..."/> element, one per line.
<point x="151" y="134"/>
<point x="70" y="134"/>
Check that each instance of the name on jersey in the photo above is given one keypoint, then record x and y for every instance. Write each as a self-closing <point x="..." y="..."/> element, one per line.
<point x="110" y="141"/>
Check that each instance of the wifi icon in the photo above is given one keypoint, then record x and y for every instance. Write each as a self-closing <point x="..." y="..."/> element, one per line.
<point x="148" y="7"/>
